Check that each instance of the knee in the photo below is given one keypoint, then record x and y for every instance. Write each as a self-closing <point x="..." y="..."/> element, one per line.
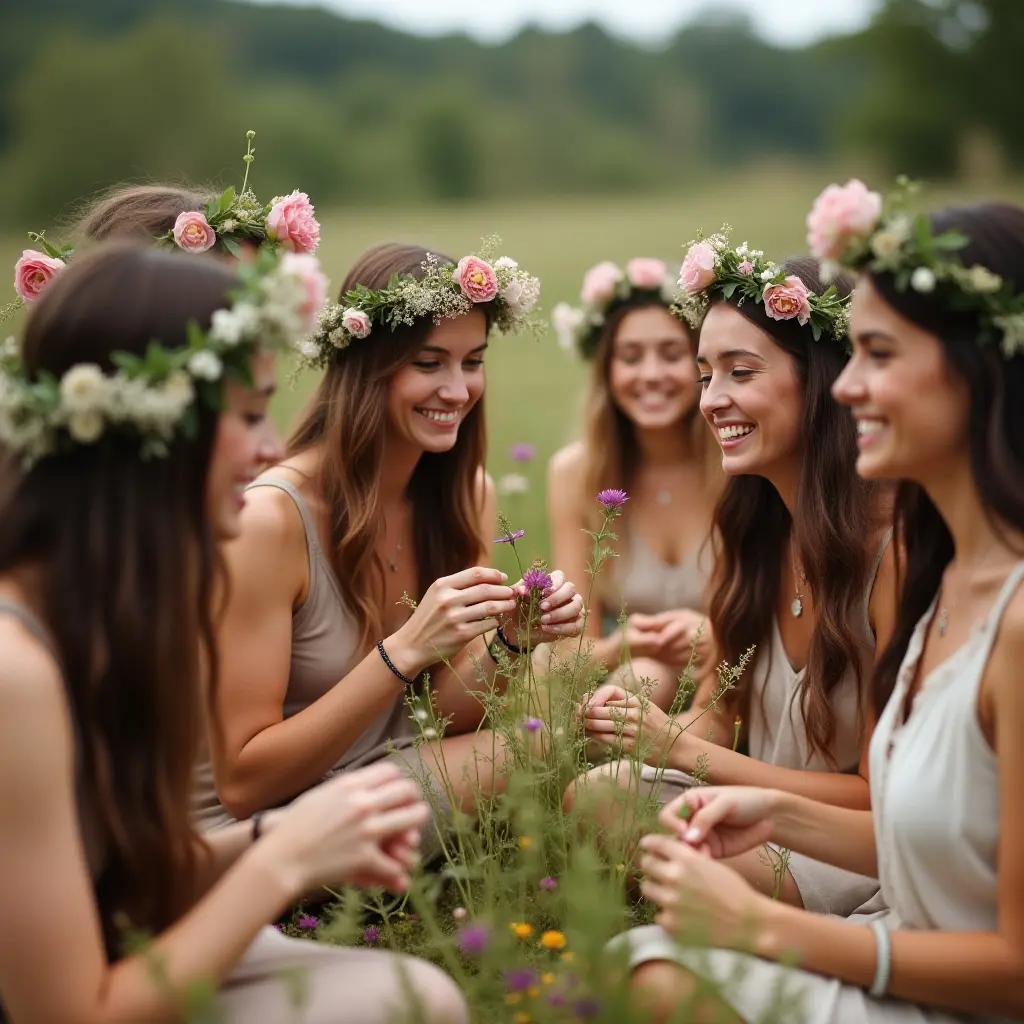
<point x="659" y="987"/>
<point x="596" y="782"/>
<point x="439" y="1000"/>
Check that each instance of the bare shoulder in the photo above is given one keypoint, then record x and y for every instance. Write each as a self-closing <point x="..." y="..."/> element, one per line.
<point x="566" y="465"/>
<point x="484" y="491"/>
<point x="1008" y="655"/>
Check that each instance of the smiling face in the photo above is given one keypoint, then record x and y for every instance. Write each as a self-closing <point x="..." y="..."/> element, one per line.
<point x="752" y="395"/>
<point x="651" y="374"/>
<point x="429" y="396"/>
<point x="911" y="409"/>
<point x="245" y="442"/>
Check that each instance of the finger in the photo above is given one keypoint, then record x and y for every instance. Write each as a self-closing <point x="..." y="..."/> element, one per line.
<point x="677" y="814"/>
<point x="557" y="595"/>
<point x="557" y="584"/>
<point x="400" y="792"/>
<point x="397" y="821"/>
<point x="663" y="895"/>
<point x="657" y="844"/>
<point x="482" y="593"/>
<point x="471" y="577"/>
<point x="564" y="614"/>
<point x="368" y="778"/>
<point x="605" y="693"/>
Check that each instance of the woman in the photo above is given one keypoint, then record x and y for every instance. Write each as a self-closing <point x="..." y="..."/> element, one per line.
<point x="799" y="544"/>
<point x="382" y="496"/>
<point x="124" y="460"/>
<point x="934" y="387"/>
<point x="643" y="433"/>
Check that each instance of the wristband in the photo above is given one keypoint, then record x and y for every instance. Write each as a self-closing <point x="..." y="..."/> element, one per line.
<point x="507" y="644"/>
<point x="880" y="985"/>
<point x="390" y="664"/>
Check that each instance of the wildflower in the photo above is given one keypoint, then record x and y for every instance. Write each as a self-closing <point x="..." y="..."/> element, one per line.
<point x="548" y="978"/>
<point x="556" y="999"/>
<point x="533" y="725"/>
<point x="553" y="940"/>
<point x="522" y="452"/>
<point x="430" y="734"/>
<point x="371" y="935"/>
<point x="459" y="913"/>
<point x="587" y="1007"/>
<point x="474" y="939"/>
<point x="308" y="922"/>
<point x="533" y="991"/>
<point x="548" y="883"/>
<point x="514" y="997"/>
<point x="520" y="980"/>
<point x="521" y="930"/>
<point x="525" y="843"/>
<point x="513" y="483"/>
<point x="613" y="499"/>
<point x="568" y="957"/>
<point x="522" y="1018"/>
<point x="536" y="579"/>
<point x="510" y="538"/>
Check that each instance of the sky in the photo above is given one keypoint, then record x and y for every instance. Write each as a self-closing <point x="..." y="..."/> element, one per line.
<point x="784" y="22"/>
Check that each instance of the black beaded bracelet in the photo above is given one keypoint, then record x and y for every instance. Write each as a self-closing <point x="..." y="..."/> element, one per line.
<point x="391" y="665"/>
<point x="509" y="646"/>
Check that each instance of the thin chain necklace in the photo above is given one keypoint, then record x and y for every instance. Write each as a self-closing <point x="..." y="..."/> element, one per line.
<point x="392" y="565"/>
<point x="942" y="621"/>
<point x="799" y="582"/>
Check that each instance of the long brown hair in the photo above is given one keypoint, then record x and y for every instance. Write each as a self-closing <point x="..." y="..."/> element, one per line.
<point x="610" y="452"/>
<point x="836" y="514"/>
<point x="138" y="212"/>
<point x="127" y="563"/>
<point x="347" y="417"/>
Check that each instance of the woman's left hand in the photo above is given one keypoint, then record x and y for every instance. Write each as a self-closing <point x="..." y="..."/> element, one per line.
<point x="560" y="608"/>
<point x="635" y="724"/>
<point x="698" y="894"/>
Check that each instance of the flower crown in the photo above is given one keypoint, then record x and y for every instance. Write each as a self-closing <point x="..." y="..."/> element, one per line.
<point x="230" y="219"/>
<point x="853" y="227"/>
<point x="713" y="267"/>
<point x="446" y="291"/>
<point x="606" y="286"/>
<point x="153" y="395"/>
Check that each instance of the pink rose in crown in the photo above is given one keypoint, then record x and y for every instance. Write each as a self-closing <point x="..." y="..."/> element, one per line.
<point x="788" y="301"/>
<point x="292" y="225"/>
<point x="476" y="278"/>
<point x="356" y="322"/>
<point x="746" y="268"/>
<point x="698" y="270"/>
<point x="192" y="232"/>
<point x="840" y="213"/>
<point x="600" y="283"/>
<point x="308" y="270"/>
<point x="33" y="272"/>
<point x="645" y="273"/>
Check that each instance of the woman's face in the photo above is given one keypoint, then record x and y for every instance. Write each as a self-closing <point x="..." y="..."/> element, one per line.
<point x="245" y="442"/>
<point x="651" y="374"/>
<point x="430" y="396"/>
<point x="752" y="395"/>
<point x="911" y="409"/>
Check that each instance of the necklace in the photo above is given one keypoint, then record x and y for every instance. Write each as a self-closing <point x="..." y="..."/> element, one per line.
<point x="392" y="565"/>
<point x="942" y="621"/>
<point x="799" y="581"/>
<point x="664" y="497"/>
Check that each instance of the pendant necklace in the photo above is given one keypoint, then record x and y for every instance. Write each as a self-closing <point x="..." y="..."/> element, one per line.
<point x="799" y="581"/>
<point x="391" y="564"/>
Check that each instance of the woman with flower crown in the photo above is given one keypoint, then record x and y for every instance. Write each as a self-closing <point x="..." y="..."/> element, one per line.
<point x="130" y="415"/>
<point x="642" y="432"/>
<point x="934" y="386"/>
<point x="381" y="503"/>
<point x="803" y="584"/>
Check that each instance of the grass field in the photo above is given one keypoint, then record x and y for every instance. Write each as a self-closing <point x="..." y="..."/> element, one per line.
<point x="533" y="387"/>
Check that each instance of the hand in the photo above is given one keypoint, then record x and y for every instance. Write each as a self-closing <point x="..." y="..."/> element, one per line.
<point x="635" y="724"/>
<point x="724" y="820"/>
<point x="455" y="610"/>
<point x="360" y="828"/>
<point x="561" y="613"/>
<point x="697" y="894"/>
<point x="674" y="634"/>
<point x="639" y="640"/>
<point x="604" y="693"/>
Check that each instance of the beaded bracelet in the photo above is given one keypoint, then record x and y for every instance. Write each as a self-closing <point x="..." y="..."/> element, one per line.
<point x="508" y="645"/>
<point x="391" y="665"/>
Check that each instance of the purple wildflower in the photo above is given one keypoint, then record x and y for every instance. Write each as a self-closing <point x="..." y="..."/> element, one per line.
<point x="536" y="579"/>
<point x="510" y="538"/>
<point x="371" y="935"/>
<point x="308" y="921"/>
<point x="522" y="452"/>
<point x="520" y="980"/>
<point x="613" y="499"/>
<point x="474" y="938"/>
<point x="533" y="725"/>
<point x="549" y="883"/>
<point x="587" y="1007"/>
<point x="556" y="999"/>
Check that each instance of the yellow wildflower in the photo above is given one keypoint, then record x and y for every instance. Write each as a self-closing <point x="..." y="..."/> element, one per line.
<point x="568" y="957"/>
<point x="521" y="930"/>
<point x="553" y="940"/>
<point x="514" y="997"/>
<point x="525" y="842"/>
<point x="548" y="978"/>
<point x="533" y="992"/>
<point x="522" y="1018"/>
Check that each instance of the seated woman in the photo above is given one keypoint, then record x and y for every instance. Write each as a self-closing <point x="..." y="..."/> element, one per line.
<point x="128" y="418"/>
<point x="382" y="502"/>
<point x="804" y="575"/>
<point x="643" y="433"/>
<point x="934" y="386"/>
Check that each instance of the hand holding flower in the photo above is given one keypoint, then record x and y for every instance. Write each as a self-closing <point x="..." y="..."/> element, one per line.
<point x="636" y="725"/>
<point x="558" y="609"/>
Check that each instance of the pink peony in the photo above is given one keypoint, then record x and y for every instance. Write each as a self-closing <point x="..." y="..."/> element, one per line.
<point x="839" y="214"/>
<point x="600" y="283"/>
<point x="746" y="268"/>
<point x="33" y="272"/>
<point x="788" y="300"/>
<point x="192" y="232"/>
<point x="307" y="269"/>
<point x="291" y="223"/>
<point x="356" y="322"/>
<point x="698" y="270"/>
<point x="645" y="273"/>
<point x="476" y="278"/>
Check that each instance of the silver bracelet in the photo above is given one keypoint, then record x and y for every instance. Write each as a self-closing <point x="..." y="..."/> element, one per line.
<point x="883" y="968"/>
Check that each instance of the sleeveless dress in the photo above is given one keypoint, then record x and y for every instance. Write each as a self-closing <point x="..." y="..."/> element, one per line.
<point x="340" y="985"/>
<point x="325" y="648"/>
<point x="936" y="800"/>
<point x="777" y="735"/>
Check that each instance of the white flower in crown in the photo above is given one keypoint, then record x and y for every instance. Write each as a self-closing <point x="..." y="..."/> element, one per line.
<point x="567" y="321"/>
<point x="205" y="365"/>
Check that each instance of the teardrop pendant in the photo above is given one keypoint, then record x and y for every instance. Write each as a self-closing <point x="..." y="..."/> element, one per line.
<point x="797" y="607"/>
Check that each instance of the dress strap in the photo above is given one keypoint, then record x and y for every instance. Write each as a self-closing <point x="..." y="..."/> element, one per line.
<point x="32" y="623"/>
<point x="308" y="523"/>
<point x="872" y="576"/>
<point x="990" y="626"/>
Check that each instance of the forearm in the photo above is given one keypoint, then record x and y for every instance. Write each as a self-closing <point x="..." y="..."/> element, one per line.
<point x="223" y="847"/>
<point x="457" y="687"/>
<point x="971" y="972"/>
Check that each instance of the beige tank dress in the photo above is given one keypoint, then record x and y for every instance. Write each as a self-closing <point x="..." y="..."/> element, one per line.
<point x="325" y="648"/>
<point x="340" y="985"/>
<point x="777" y="735"/>
<point x="935" y="797"/>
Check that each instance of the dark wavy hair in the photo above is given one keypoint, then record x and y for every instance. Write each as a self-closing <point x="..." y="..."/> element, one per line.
<point x="836" y="512"/>
<point x="996" y="421"/>
<point x="127" y="564"/>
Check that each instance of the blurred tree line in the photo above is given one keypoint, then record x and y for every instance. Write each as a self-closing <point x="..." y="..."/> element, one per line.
<point x="102" y="91"/>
